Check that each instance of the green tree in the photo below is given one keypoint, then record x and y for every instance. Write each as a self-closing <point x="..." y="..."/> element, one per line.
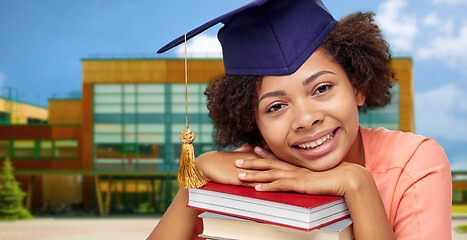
<point x="11" y="196"/>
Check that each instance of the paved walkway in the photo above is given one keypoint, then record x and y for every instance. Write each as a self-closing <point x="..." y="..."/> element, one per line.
<point x="77" y="229"/>
<point x="457" y="220"/>
<point x="104" y="228"/>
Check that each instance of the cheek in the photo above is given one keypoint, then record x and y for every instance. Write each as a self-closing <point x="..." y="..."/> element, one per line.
<point x="345" y="108"/>
<point x="267" y="131"/>
<point x="348" y="115"/>
<point x="344" y="112"/>
<point x="273" y="132"/>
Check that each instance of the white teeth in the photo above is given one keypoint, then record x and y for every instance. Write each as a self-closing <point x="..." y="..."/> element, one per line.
<point x="317" y="142"/>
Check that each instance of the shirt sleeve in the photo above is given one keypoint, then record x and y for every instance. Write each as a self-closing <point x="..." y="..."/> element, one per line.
<point x="424" y="210"/>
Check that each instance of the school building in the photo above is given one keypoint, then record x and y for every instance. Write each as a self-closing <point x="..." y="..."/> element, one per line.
<point x="116" y="149"/>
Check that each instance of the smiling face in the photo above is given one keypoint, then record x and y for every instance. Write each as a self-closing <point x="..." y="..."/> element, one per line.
<point x="310" y="118"/>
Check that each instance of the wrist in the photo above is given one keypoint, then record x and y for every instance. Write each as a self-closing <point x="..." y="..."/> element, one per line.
<point x="201" y="161"/>
<point x="358" y="180"/>
<point x="365" y="205"/>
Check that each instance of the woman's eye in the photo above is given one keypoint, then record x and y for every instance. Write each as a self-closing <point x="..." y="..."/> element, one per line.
<point x="275" y="107"/>
<point x="322" y="89"/>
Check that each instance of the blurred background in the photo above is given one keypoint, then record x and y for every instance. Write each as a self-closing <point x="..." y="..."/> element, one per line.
<point x="90" y="114"/>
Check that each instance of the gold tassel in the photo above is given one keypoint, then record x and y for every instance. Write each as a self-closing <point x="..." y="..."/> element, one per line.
<point x="188" y="174"/>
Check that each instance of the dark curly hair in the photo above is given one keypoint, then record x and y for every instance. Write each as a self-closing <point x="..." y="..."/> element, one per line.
<point x="355" y="43"/>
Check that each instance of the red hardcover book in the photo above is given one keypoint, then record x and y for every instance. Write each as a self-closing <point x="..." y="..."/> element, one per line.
<point x="290" y="209"/>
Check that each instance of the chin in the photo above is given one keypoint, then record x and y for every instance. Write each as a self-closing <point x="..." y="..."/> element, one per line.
<point x="321" y="167"/>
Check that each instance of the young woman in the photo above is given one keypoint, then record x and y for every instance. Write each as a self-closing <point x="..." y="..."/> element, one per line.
<point x="302" y="134"/>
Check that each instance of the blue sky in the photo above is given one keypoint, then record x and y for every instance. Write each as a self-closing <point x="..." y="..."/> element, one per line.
<point x="42" y="42"/>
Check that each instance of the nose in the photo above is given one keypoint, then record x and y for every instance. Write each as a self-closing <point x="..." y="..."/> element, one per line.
<point x="306" y="115"/>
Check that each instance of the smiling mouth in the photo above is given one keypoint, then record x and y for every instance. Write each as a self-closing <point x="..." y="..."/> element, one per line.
<point x="318" y="142"/>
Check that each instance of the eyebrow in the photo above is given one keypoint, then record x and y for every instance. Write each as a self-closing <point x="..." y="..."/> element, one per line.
<point x="304" y="83"/>
<point x="315" y="76"/>
<point x="272" y="94"/>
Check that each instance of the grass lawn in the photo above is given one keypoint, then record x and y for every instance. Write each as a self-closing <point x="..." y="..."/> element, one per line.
<point x="462" y="210"/>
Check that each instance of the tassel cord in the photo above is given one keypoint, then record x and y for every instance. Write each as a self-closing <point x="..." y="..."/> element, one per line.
<point x="188" y="174"/>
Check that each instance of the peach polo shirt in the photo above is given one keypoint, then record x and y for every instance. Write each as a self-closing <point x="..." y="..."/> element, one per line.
<point x="413" y="177"/>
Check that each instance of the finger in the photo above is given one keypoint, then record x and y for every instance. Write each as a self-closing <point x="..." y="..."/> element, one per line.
<point x="282" y="185"/>
<point x="264" y="176"/>
<point x="264" y="164"/>
<point x="300" y="186"/>
<point x="249" y="184"/>
<point x="267" y="154"/>
<point x="263" y="153"/>
<point x="253" y="164"/>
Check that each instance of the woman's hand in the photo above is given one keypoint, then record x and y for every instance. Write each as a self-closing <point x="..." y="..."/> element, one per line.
<point x="265" y="163"/>
<point x="264" y="171"/>
<point x="224" y="167"/>
<point x="272" y="174"/>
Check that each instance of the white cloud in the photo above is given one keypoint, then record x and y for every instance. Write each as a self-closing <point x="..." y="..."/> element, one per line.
<point x="201" y="46"/>
<point x="442" y="112"/>
<point x="447" y="27"/>
<point x="399" y="29"/>
<point x="448" y="46"/>
<point x="432" y="20"/>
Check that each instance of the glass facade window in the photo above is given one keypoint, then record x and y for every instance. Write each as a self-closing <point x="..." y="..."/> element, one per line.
<point x="140" y="195"/>
<point x="36" y="121"/>
<point x="5" y="118"/>
<point x="387" y="117"/>
<point x="46" y="148"/>
<point x="40" y="149"/>
<point x="137" y="126"/>
<point x="65" y="148"/>
<point x="129" y="126"/>
<point x="23" y="148"/>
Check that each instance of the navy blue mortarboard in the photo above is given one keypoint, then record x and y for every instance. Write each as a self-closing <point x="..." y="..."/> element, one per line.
<point x="268" y="37"/>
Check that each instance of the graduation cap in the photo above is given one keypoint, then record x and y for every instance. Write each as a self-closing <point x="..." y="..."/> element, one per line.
<point x="268" y="37"/>
<point x="262" y="37"/>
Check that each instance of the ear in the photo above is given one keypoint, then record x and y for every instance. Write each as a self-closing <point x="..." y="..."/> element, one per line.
<point x="360" y="98"/>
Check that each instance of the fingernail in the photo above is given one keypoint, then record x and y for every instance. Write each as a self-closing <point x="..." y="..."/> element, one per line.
<point x="258" y="149"/>
<point x="258" y="187"/>
<point x="239" y="162"/>
<point x="241" y="175"/>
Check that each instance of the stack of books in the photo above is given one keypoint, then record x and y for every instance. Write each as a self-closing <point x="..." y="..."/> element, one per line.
<point x="236" y="212"/>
